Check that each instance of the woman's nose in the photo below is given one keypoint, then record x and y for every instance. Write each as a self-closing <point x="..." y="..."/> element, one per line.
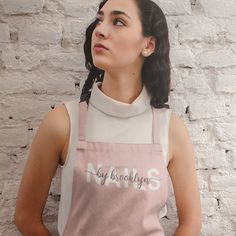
<point x="101" y="30"/>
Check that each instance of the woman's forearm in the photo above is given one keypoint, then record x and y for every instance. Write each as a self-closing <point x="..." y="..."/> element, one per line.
<point x="184" y="230"/>
<point x="38" y="229"/>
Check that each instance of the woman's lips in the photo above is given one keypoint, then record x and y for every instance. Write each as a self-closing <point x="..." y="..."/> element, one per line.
<point x="99" y="45"/>
<point x="99" y="48"/>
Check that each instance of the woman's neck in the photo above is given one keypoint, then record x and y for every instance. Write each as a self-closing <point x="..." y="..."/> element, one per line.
<point x="125" y="91"/>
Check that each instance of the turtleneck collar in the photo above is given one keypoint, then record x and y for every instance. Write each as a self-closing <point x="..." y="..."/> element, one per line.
<point x="116" y="108"/>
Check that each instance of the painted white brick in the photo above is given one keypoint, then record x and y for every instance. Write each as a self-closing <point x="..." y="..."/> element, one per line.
<point x="198" y="29"/>
<point x="77" y="32"/>
<point x="224" y="194"/>
<point x="4" y="33"/>
<point x="176" y="80"/>
<point x="234" y="220"/>
<point x="80" y="9"/>
<point x="229" y="28"/>
<point x="209" y="156"/>
<point x="23" y="108"/>
<point x="4" y="215"/>
<point x="66" y="34"/>
<point x="199" y="132"/>
<point x="5" y="163"/>
<point x="14" y="82"/>
<point x="13" y="7"/>
<point x="183" y="81"/>
<point x="230" y="105"/>
<point x="11" y="230"/>
<point x="233" y="47"/>
<point x="9" y="188"/>
<point x="209" y="206"/>
<point x="228" y="206"/>
<point x="202" y="183"/>
<point x="196" y="83"/>
<point x="53" y="82"/>
<point x="55" y="187"/>
<point x="231" y="32"/>
<point x="24" y="58"/>
<point x="182" y="57"/>
<point x="227" y="131"/>
<point x="45" y="33"/>
<point x="30" y="108"/>
<point x="177" y="7"/>
<point x="224" y="183"/>
<point x="233" y="159"/>
<point x="172" y="31"/>
<point x="215" y="227"/>
<point x="205" y="106"/>
<point x="14" y="136"/>
<point x="216" y="58"/>
<point x="218" y="8"/>
<point x="73" y="61"/>
<point x="226" y="83"/>
<point x="39" y="82"/>
<point x="178" y="104"/>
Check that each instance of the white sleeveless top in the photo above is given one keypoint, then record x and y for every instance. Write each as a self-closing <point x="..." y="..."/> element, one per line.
<point x="109" y="120"/>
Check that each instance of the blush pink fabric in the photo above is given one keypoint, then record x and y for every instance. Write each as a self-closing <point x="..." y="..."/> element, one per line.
<point x="118" y="188"/>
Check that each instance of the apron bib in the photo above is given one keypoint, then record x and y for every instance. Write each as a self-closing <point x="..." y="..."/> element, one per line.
<point x="118" y="188"/>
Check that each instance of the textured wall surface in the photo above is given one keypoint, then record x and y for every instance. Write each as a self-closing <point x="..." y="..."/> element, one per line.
<point x="42" y="63"/>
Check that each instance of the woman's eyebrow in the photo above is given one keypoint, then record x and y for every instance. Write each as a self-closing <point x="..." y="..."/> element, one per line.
<point x="114" y="12"/>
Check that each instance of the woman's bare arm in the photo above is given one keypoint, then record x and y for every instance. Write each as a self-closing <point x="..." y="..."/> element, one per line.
<point x="183" y="175"/>
<point x="41" y="165"/>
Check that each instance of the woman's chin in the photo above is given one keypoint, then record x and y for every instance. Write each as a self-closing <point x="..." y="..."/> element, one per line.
<point x="100" y="65"/>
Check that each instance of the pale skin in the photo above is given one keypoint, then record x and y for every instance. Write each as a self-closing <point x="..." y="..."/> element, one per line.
<point x="121" y="82"/>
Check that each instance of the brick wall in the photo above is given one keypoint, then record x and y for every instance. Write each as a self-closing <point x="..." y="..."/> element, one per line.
<point x="42" y="62"/>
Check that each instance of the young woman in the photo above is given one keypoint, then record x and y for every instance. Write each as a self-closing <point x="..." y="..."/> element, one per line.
<point x="119" y="142"/>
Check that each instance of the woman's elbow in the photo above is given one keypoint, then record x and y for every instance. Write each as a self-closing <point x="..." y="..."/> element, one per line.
<point x="194" y="227"/>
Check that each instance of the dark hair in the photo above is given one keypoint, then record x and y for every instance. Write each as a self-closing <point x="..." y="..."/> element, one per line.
<point x="155" y="72"/>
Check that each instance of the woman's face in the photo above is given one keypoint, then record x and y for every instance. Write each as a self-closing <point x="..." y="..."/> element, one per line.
<point x="121" y="34"/>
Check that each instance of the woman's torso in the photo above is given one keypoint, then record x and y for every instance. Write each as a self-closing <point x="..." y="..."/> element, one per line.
<point x="134" y="129"/>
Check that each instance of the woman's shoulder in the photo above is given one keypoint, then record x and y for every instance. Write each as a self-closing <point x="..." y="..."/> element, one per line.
<point x="178" y="133"/>
<point x="57" y="122"/>
<point x="177" y="125"/>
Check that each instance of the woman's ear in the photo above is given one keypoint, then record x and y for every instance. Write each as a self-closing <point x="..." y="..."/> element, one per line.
<point x="150" y="47"/>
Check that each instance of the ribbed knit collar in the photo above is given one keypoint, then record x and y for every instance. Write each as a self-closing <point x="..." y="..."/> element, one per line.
<point x="116" y="108"/>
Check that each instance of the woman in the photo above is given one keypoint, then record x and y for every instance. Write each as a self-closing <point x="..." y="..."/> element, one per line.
<point x="118" y="165"/>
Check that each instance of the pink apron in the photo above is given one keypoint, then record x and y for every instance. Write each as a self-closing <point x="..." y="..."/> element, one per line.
<point x="118" y="188"/>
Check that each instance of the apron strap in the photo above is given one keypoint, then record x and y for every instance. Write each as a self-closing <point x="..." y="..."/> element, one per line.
<point x="156" y="125"/>
<point x="83" y="107"/>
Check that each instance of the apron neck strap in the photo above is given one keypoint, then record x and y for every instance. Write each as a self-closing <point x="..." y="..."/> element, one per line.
<point x="83" y="108"/>
<point x="156" y="125"/>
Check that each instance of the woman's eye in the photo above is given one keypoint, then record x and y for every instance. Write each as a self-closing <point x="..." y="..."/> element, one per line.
<point x="97" y="20"/>
<point x="116" y="20"/>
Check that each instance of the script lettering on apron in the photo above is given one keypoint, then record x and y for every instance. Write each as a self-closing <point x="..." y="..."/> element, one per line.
<point x="113" y="177"/>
